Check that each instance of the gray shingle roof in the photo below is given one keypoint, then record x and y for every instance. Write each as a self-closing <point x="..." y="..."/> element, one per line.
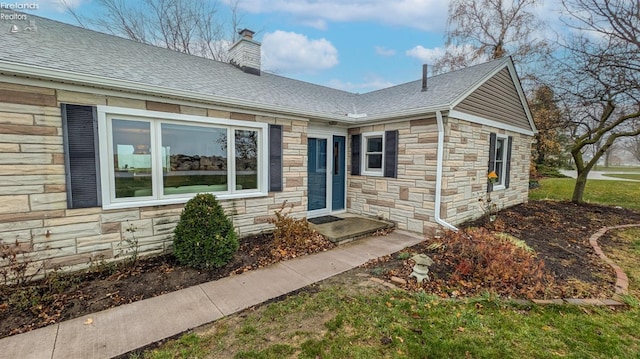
<point x="59" y="46"/>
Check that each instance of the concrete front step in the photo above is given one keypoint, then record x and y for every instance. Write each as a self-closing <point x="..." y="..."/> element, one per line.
<point x="349" y="228"/>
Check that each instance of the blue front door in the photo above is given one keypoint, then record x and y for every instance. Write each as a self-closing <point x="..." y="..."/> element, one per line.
<point x="326" y="175"/>
<point x="338" y="173"/>
<point x="317" y="151"/>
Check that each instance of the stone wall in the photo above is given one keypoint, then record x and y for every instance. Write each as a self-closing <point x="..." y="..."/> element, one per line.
<point x="465" y="169"/>
<point x="33" y="208"/>
<point x="409" y="199"/>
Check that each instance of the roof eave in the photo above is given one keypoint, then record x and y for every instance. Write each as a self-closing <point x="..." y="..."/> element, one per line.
<point x="64" y="76"/>
<point x="400" y="115"/>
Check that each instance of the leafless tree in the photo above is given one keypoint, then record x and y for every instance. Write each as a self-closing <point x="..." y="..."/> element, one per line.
<point x="492" y="29"/>
<point x="599" y="79"/>
<point x="195" y="27"/>
<point x="632" y="145"/>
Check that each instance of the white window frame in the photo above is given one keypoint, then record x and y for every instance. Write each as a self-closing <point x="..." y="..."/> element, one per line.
<point x="156" y="118"/>
<point x="364" y="169"/>
<point x="500" y="185"/>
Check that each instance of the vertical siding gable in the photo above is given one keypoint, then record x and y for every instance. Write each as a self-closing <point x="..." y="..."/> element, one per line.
<point x="497" y="99"/>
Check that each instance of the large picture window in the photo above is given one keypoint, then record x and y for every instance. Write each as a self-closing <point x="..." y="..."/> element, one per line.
<point x="160" y="158"/>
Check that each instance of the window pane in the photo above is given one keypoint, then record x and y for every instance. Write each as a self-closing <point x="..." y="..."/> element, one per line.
<point x="374" y="144"/>
<point x="499" y="172"/>
<point x="322" y="155"/>
<point x="132" y="158"/>
<point x="336" y="158"/>
<point x="194" y="159"/>
<point x="374" y="161"/>
<point x="500" y="149"/>
<point x="246" y="159"/>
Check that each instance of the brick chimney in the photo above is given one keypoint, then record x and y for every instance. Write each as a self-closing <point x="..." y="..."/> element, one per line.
<point x="245" y="53"/>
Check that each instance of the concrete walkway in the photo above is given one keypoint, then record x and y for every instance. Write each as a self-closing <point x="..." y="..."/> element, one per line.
<point x="125" y="328"/>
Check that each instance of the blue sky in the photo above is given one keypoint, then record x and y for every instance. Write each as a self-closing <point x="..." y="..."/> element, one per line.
<point x="354" y="45"/>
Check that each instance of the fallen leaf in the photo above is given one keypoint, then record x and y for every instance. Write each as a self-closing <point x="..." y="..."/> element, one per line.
<point x="89" y="321"/>
<point x="460" y="329"/>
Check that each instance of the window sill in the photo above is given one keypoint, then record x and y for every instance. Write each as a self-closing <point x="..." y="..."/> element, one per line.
<point x="499" y="187"/>
<point x="373" y="174"/>
<point x="178" y="200"/>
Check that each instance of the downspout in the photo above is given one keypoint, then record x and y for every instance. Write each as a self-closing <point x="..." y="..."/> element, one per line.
<point x="440" y="154"/>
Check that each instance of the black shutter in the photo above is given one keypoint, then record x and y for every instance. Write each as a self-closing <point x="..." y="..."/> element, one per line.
<point x="507" y="166"/>
<point x="82" y="164"/>
<point x="391" y="154"/>
<point x="492" y="158"/>
<point x="275" y="158"/>
<point x="356" y="143"/>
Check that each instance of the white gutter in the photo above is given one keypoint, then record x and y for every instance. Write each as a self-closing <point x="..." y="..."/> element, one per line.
<point x="440" y="154"/>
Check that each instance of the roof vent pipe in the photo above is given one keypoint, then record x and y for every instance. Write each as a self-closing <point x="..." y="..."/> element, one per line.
<point x="424" y="77"/>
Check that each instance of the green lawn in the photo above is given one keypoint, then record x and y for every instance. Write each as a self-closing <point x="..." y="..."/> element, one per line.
<point x="338" y="323"/>
<point x="348" y="320"/>
<point x="617" y="168"/>
<point x="632" y="176"/>
<point x="614" y="193"/>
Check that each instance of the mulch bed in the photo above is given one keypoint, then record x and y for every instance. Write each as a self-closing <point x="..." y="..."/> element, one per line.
<point x="557" y="231"/>
<point x="108" y="286"/>
<point x="559" y="234"/>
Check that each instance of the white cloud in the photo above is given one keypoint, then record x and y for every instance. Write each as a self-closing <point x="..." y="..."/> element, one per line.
<point x="288" y="53"/>
<point x="383" y="51"/>
<point x="371" y="83"/>
<point x="429" y="56"/>
<point x="428" y="15"/>
<point x="426" y="56"/>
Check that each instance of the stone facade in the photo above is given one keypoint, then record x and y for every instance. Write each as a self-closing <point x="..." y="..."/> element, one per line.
<point x="33" y="207"/>
<point x="409" y="199"/>
<point x="465" y="167"/>
<point x="33" y="204"/>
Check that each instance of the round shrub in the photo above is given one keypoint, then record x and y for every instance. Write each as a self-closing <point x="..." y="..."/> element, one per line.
<point x="204" y="237"/>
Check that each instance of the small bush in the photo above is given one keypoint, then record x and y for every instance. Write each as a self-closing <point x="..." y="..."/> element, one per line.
<point x="499" y="264"/>
<point x="16" y="267"/>
<point x="293" y="237"/>
<point x="204" y="237"/>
